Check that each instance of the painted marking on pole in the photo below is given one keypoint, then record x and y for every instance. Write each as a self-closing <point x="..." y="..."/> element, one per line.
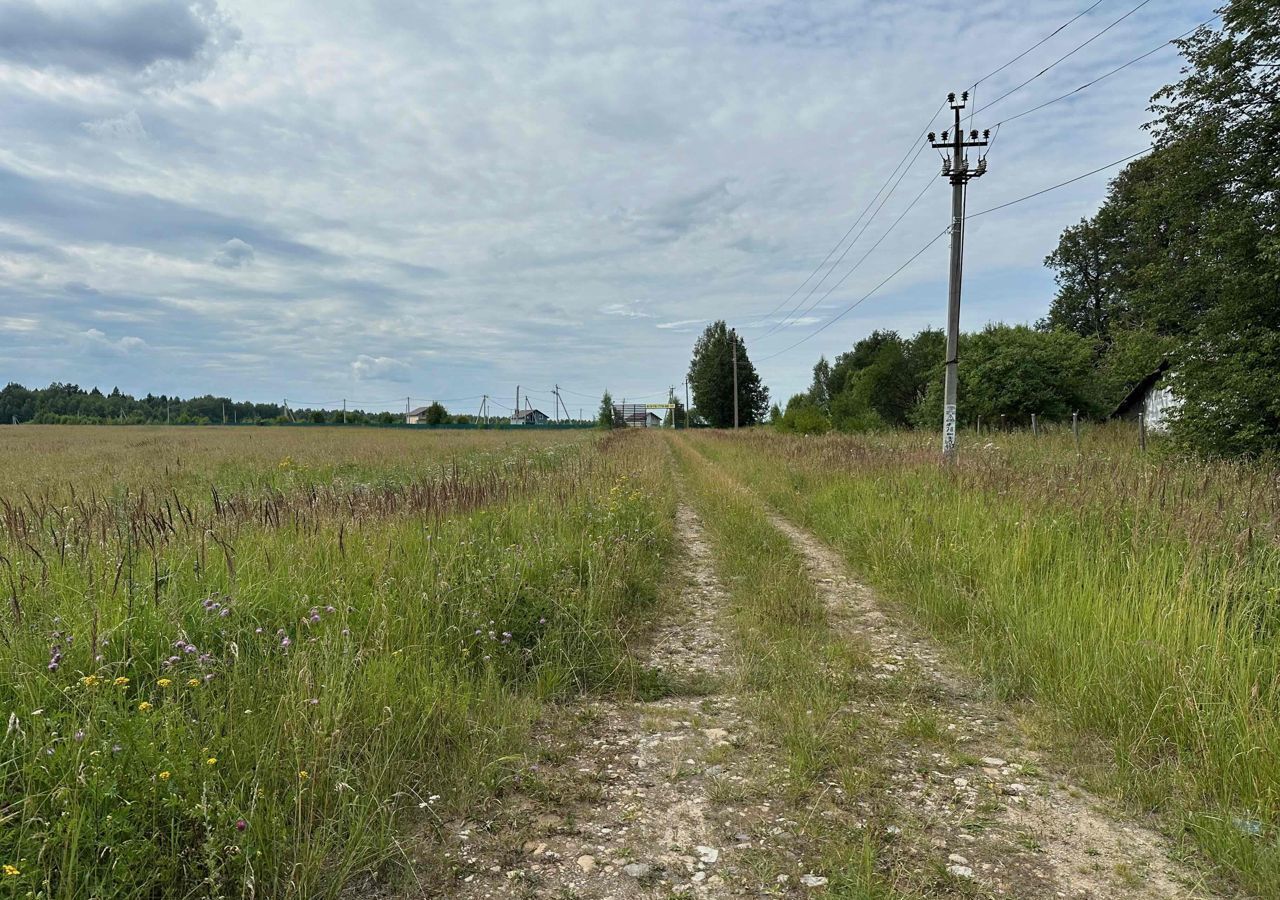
<point x="949" y="426"/>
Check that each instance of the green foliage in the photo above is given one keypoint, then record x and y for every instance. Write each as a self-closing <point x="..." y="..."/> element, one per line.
<point x="436" y="414"/>
<point x="1016" y="371"/>
<point x="1186" y="248"/>
<point x="803" y="416"/>
<point x="606" y="414"/>
<point x="711" y="379"/>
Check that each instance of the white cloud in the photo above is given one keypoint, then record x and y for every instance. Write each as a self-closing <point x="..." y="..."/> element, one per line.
<point x="379" y="368"/>
<point x="125" y="127"/>
<point x="97" y="342"/>
<point x="234" y="254"/>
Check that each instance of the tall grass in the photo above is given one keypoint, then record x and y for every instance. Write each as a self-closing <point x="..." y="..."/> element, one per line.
<point x="256" y="678"/>
<point x="1134" y="598"/>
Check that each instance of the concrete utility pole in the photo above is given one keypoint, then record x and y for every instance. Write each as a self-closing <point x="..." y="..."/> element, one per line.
<point x="955" y="167"/>
<point x="686" y="404"/>
<point x="733" y="336"/>
<point x="344" y="411"/>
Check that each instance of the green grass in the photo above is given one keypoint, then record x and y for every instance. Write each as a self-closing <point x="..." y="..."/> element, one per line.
<point x="799" y="675"/>
<point x="266" y="677"/>
<point x="1132" y="598"/>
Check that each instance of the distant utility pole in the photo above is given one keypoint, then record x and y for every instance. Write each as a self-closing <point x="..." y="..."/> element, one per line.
<point x="166" y="412"/>
<point x="686" y="404"/>
<point x="955" y="166"/>
<point x="344" y="411"/>
<point x="733" y="336"/>
<point x="224" y="412"/>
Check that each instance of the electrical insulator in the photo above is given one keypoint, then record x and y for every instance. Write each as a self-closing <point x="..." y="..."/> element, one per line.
<point x="946" y="165"/>
<point x="982" y="167"/>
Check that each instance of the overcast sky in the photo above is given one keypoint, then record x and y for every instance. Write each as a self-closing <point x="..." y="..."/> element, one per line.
<point x="375" y="200"/>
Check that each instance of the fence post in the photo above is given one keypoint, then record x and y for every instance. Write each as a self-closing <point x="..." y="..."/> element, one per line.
<point x="1142" y="430"/>
<point x="979" y="429"/>
<point x="1075" y="428"/>
<point x="1035" y="431"/>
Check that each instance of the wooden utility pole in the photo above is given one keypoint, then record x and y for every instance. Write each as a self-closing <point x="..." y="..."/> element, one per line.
<point x="955" y="167"/>
<point x="733" y="336"/>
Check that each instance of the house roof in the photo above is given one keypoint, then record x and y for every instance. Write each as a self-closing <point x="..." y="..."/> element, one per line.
<point x="419" y="411"/>
<point x="525" y="413"/>
<point x="1134" y="397"/>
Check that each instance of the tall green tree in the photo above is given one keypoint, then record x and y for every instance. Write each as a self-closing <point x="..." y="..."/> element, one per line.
<point x="605" y="417"/>
<point x="711" y="379"/>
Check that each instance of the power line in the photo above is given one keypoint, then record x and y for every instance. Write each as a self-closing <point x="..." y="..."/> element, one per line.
<point x="1121" y="68"/>
<point x="1062" y="58"/>
<point x="852" y="306"/>
<point x="934" y="240"/>
<point x="1040" y="43"/>
<point x="863" y="259"/>
<point x="1110" y="165"/>
<point x="932" y="118"/>
<point x="783" y="321"/>
<point x="865" y="209"/>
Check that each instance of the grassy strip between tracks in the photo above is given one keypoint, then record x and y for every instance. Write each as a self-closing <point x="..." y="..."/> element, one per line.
<point x="799" y="677"/>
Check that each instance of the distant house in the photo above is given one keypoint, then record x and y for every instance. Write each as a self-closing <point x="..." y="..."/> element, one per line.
<point x="1151" y="398"/>
<point x="416" y="416"/>
<point x="642" y="419"/>
<point x="529" y="417"/>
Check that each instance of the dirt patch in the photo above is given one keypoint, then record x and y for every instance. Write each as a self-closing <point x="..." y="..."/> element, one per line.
<point x="973" y="800"/>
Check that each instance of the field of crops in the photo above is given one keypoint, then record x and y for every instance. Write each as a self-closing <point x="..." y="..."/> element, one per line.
<point x="242" y="662"/>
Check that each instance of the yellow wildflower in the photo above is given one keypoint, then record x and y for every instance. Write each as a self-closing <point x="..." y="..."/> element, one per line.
<point x="193" y="682"/>
<point x="164" y="682"/>
<point x="211" y="761"/>
<point x="302" y="775"/>
<point x="89" y="680"/>
<point x="10" y="870"/>
<point x="164" y="776"/>
<point x="144" y="706"/>
<point x="121" y="681"/>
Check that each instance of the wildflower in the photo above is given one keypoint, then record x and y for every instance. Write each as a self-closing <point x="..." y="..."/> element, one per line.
<point x="10" y="870"/>
<point x="53" y="667"/>
<point x="189" y="648"/>
<point x="257" y="630"/>
<point x="330" y="609"/>
<point x="164" y="682"/>
<point x="78" y="736"/>
<point x="211" y="761"/>
<point x="193" y="682"/>
<point x="144" y="706"/>
<point x="284" y="643"/>
<point x="241" y="824"/>
<point x="164" y="776"/>
<point x="121" y="681"/>
<point x="226" y="611"/>
<point x="302" y="775"/>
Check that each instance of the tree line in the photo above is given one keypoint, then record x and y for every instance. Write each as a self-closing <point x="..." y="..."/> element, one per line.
<point x="70" y="404"/>
<point x="1179" y="266"/>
